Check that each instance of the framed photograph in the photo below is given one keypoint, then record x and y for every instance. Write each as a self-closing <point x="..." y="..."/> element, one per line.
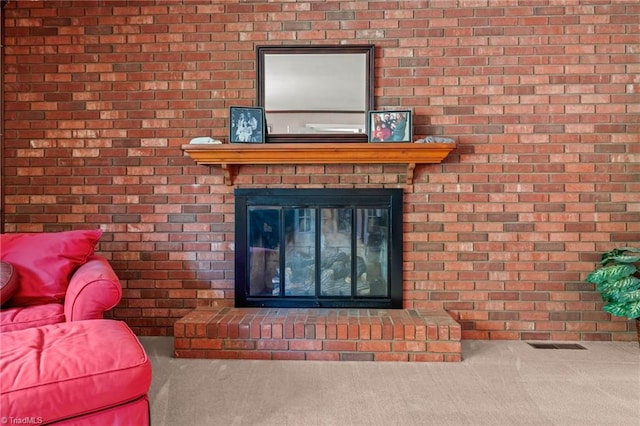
<point x="389" y="126"/>
<point x="246" y="125"/>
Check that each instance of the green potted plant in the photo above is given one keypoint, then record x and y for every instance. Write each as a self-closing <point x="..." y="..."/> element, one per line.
<point x="617" y="279"/>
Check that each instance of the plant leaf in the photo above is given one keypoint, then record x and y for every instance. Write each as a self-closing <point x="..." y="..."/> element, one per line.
<point x="628" y="284"/>
<point x="630" y="296"/>
<point x="630" y="310"/>
<point x="609" y="274"/>
<point x="623" y="285"/>
<point x="631" y="249"/>
<point x="623" y="258"/>
<point x="618" y="252"/>
<point x="624" y="290"/>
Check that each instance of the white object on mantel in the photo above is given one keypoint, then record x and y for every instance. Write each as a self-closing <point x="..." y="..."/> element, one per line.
<point x="435" y="139"/>
<point x="204" y="141"/>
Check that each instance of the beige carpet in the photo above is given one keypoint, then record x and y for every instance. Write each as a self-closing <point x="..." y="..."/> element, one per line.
<point x="498" y="383"/>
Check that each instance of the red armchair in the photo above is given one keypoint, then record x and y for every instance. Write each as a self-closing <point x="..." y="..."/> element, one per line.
<point x="93" y="289"/>
<point x="59" y="278"/>
<point x="60" y="361"/>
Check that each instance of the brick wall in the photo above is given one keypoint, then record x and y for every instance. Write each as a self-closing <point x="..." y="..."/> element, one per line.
<point x="542" y="97"/>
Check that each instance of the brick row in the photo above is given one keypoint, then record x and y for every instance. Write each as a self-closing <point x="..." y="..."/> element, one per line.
<point x="357" y="334"/>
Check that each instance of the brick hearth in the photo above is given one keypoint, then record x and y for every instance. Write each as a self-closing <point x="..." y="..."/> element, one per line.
<point x="318" y="334"/>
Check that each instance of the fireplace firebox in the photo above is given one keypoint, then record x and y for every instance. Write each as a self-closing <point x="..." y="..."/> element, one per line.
<point x="325" y="248"/>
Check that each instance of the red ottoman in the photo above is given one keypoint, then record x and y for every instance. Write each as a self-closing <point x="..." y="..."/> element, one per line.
<point x="82" y="372"/>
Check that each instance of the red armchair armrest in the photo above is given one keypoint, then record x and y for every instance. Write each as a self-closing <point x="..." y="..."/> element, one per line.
<point x="94" y="288"/>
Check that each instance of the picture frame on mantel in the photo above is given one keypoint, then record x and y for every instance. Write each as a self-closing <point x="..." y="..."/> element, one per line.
<point x="389" y="126"/>
<point x="247" y="125"/>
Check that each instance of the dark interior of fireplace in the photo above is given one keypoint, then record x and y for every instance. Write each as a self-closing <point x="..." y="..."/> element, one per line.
<point x="306" y="248"/>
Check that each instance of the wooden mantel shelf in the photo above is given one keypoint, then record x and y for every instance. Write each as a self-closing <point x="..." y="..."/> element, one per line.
<point x="231" y="155"/>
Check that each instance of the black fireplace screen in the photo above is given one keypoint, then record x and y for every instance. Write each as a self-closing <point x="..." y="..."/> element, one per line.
<point x="318" y="248"/>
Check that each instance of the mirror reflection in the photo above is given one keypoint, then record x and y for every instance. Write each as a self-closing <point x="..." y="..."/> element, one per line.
<point x="315" y="93"/>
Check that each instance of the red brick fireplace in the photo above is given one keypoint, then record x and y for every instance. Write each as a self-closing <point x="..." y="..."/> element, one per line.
<point x="282" y="280"/>
<point x="365" y="222"/>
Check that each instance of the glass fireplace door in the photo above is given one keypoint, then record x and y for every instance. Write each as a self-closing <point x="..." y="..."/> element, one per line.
<point x="315" y="252"/>
<point x="300" y="252"/>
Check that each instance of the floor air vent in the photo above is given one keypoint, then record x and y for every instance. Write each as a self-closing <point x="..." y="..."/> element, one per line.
<point x="556" y="346"/>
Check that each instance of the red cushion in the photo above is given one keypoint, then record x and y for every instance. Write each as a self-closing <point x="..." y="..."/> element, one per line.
<point x="45" y="261"/>
<point x="8" y="282"/>
<point x="19" y="318"/>
<point x="65" y="370"/>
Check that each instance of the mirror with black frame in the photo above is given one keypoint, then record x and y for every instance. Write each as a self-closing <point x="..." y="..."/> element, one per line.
<point x="315" y="93"/>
